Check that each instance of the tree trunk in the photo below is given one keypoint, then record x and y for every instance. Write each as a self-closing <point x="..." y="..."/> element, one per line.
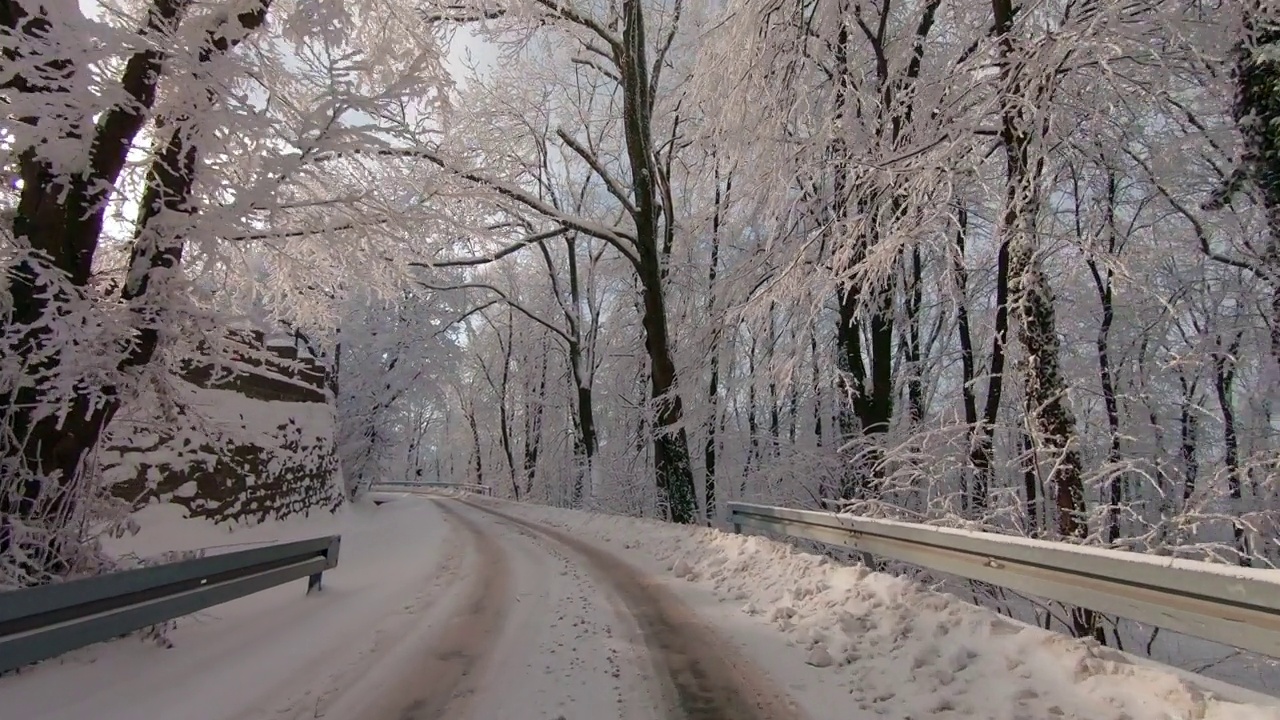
<point x="1102" y="281"/>
<point x="816" y="386"/>
<point x="713" y="386"/>
<point x="585" y="445"/>
<point x="753" y="425"/>
<point x="1188" y="424"/>
<point x="775" y="410"/>
<point x="533" y="425"/>
<point x="670" y="443"/>
<point x="672" y="464"/>
<point x="1115" y="479"/>
<point x="477" y="456"/>
<point x="1033" y="298"/>
<point x="504" y="417"/>
<point x="981" y="430"/>
<point x="1224" y="372"/>
<point x="1030" y="486"/>
<point x="914" y="350"/>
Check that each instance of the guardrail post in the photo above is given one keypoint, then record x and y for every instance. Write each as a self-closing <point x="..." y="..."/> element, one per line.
<point x="330" y="561"/>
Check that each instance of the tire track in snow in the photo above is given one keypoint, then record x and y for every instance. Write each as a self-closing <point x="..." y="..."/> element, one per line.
<point x="703" y="677"/>
<point x="386" y="637"/>
<point x="313" y="685"/>
<point x="440" y="684"/>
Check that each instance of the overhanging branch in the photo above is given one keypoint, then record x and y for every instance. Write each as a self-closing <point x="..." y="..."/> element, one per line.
<point x="615" y="188"/>
<point x="619" y="240"/>
<point x="504" y="298"/>
<point x="486" y="259"/>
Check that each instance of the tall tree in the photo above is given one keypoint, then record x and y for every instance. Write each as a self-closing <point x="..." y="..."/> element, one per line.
<point x="619" y="39"/>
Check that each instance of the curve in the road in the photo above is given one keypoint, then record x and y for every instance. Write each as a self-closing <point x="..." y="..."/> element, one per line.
<point x="441" y="683"/>
<point x="706" y="679"/>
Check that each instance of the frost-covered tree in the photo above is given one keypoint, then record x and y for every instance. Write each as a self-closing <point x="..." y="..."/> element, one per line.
<point x="391" y="357"/>
<point x="148" y="145"/>
<point x="617" y="66"/>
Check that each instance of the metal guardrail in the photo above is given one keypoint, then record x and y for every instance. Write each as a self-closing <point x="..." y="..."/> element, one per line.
<point x="42" y="622"/>
<point x="1231" y="605"/>
<point x="401" y="484"/>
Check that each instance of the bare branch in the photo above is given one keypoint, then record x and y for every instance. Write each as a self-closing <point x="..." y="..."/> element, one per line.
<point x="1202" y="234"/>
<point x="506" y="299"/>
<point x="597" y="67"/>
<point x="619" y="240"/>
<point x="494" y="257"/>
<point x="615" y="188"/>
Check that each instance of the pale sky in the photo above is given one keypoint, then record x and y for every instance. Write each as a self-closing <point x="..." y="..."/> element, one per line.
<point x="468" y="50"/>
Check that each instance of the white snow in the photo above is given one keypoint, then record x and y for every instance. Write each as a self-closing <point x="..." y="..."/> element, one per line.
<point x="271" y="654"/>
<point x="847" y="644"/>
<point x="896" y="649"/>
<point x="164" y="528"/>
<point x="353" y="650"/>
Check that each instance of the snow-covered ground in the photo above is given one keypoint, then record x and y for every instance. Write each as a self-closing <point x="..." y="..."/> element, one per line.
<point x="436" y="610"/>
<point x="494" y="610"/>
<point x="272" y="654"/>
<point x="890" y="647"/>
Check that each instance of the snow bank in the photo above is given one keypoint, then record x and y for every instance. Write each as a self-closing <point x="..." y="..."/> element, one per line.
<point x="902" y="650"/>
<point x="166" y="529"/>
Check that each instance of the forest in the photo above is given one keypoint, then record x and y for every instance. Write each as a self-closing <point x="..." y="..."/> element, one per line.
<point x="1011" y="266"/>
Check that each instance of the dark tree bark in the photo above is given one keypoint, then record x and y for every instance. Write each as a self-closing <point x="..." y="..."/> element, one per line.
<point x="753" y="425"/>
<point x="477" y="451"/>
<point x="775" y="409"/>
<point x="981" y="430"/>
<point x="913" y="342"/>
<point x="672" y="463"/>
<point x="500" y="388"/>
<point x="1224" y="373"/>
<point x="713" y="385"/>
<point x="585" y="444"/>
<point x="1188" y="424"/>
<point x="533" y="424"/>
<point x="816" y="386"/>
<point x="1102" y="282"/>
<point x="1030" y="486"/>
<point x="1032" y="296"/>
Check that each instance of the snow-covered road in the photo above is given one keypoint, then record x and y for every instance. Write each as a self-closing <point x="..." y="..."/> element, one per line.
<point x="553" y="627"/>
<point x="439" y="610"/>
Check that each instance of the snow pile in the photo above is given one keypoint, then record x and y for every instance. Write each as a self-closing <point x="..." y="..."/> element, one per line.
<point x="905" y="651"/>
